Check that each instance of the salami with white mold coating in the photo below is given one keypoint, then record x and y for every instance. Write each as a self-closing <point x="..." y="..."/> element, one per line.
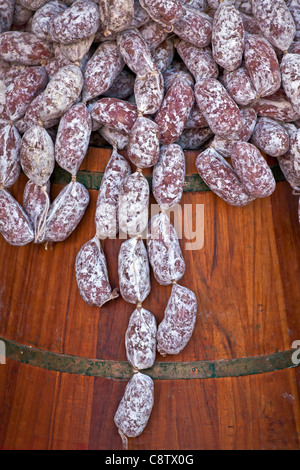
<point x="37" y="155"/>
<point x="228" y="37"/>
<point x="252" y="169"/>
<point x="92" y="275"/>
<point x="134" y="271"/>
<point x="164" y="250"/>
<point x="177" y="327"/>
<point x="22" y="91"/>
<point x="79" y="21"/>
<point x="262" y="64"/>
<point x="101" y="70"/>
<point x="73" y="136"/>
<point x="143" y="143"/>
<point x="43" y="17"/>
<point x="61" y="92"/>
<point x="140" y="339"/>
<point x="107" y="209"/>
<point x="169" y="176"/>
<point x="10" y="144"/>
<point x="24" y="48"/>
<point x="174" y="111"/>
<point x="135" y="408"/>
<point x="134" y="204"/>
<point x="221" y="112"/>
<point x="15" y="226"/>
<point x="66" y="211"/>
<point x="220" y="177"/>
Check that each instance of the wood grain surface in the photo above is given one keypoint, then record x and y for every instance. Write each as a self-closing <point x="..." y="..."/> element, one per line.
<point x="246" y="278"/>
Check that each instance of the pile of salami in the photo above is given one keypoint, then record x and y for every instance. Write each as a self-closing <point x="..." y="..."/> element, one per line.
<point x="153" y="77"/>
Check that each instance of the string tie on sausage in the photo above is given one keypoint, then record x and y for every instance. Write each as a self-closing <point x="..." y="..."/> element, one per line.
<point x="174" y="282"/>
<point x="151" y="73"/>
<point x="2" y="187"/>
<point x="40" y="229"/>
<point x="74" y="179"/>
<point x="139" y="305"/>
<point x="139" y="170"/>
<point x="124" y="439"/>
<point x="169" y="31"/>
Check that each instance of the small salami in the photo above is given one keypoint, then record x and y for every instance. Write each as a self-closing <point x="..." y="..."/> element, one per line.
<point x="270" y="137"/>
<point x="107" y="211"/>
<point x="177" y="327"/>
<point x="43" y="17"/>
<point x="32" y="117"/>
<point x="163" y="55"/>
<point x="10" y="144"/>
<point x="239" y="86"/>
<point x="135" y="408"/>
<point x="276" y="106"/>
<point x="252" y="169"/>
<point x="262" y="64"/>
<point x="6" y="14"/>
<point x="134" y="271"/>
<point x="101" y="70"/>
<point x="199" y="60"/>
<point x="165" y="12"/>
<point x="224" y="146"/>
<point x="66" y="211"/>
<point x="15" y="226"/>
<point x="140" y="339"/>
<point x="195" y="27"/>
<point x="73" y="136"/>
<point x="149" y="92"/>
<point x="36" y="201"/>
<point x="21" y="92"/>
<point x="134" y="204"/>
<point x="115" y="114"/>
<point x="228" y="37"/>
<point x="79" y="21"/>
<point x="291" y="78"/>
<point x="143" y="143"/>
<point x="275" y="21"/>
<point x="135" y="52"/>
<point x="24" y="48"/>
<point x="169" y="176"/>
<point x="61" y="92"/>
<point x="221" y="112"/>
<point x="37" y="155"/>
<point x="75" y="51"/>
<point x="221" y="178"/>
<point x="174" y="111"/>
<point x="92" y="275"/>
<point x="164" y="251"/>
<point x="116" y="15"/>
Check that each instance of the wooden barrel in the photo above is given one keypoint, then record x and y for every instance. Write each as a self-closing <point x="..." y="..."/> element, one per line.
<point x="234" y="386"/>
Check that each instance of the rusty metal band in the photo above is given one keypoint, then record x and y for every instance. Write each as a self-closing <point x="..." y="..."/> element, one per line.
<point x="92" y="179"/>
<point x="122" y="370"/>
